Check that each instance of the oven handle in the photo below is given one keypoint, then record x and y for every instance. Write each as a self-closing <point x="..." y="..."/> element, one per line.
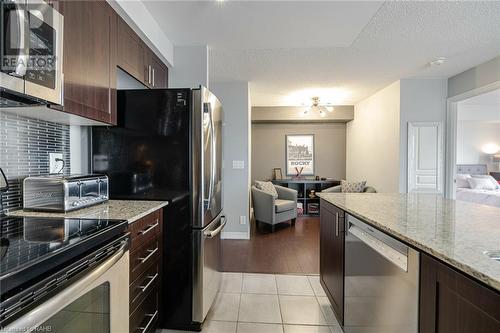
<point x="55" y="304"/>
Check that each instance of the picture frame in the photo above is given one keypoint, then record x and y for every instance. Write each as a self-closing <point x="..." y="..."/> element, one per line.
<point x="277" y="174"/>
<point x="299" y="150"/>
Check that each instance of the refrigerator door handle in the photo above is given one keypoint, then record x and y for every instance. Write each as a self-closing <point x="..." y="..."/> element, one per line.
<point x="213" y="233"/>
<point x="207" y="108"/>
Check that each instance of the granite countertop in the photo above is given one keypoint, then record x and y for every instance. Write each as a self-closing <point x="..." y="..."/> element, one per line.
<point x="456" y="232"/>
<point x="130" y="210"/>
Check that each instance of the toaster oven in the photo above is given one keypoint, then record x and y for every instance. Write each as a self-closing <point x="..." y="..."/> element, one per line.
<point x="60" y="193"/>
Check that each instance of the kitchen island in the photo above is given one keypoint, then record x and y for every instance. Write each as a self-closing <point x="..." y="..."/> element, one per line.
<point x="459" y="284"/>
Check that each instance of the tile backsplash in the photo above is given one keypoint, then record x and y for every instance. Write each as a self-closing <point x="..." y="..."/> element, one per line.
<point x="25" y="145"/>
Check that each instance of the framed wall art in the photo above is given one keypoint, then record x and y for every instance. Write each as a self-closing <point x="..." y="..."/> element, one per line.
<point x="299" y="155"/>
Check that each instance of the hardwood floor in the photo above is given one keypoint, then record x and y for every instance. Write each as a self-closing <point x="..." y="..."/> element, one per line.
<point x="290" y="249"/>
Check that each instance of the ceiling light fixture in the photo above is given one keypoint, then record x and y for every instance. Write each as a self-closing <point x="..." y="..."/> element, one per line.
<point x="437" y="62"/>
<point x="316" y="107"/>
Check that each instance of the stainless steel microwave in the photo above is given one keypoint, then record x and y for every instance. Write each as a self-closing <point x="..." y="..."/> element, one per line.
<point x="31" y="53"/>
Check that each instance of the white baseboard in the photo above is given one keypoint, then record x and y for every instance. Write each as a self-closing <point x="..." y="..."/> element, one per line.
<point x="235" y="235"/>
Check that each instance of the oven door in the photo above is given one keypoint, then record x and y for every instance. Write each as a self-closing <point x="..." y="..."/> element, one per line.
<point x="43" y="77"/>
<point x="98" y="302"/>
<point x="13" y="44"/>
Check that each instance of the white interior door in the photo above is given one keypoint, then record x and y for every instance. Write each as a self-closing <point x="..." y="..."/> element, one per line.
<point x="425" y="157"/>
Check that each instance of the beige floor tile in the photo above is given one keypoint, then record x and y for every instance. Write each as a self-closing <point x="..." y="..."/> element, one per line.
<point x="301" y="310"/>
<point x="231" y="282"/>
<point x="225" y="307"/>
<point x="306" y="329"/>
<point x="259" y="328"/>
<point x="327" y="310"/>
<point x="259" y="309"/>
<point x="209" y="327"/>
<point x="219" y="327"/>
<point x="294" y="285"/>
<point x="259" y="284"/>
<point x="316" y="285"/>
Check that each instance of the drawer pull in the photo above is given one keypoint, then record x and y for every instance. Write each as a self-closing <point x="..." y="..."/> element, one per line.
<point x="152" y="279"/>
<point x="149" y="228"/>
<point x="152" y="318"/>
<point x="146" y="258"/>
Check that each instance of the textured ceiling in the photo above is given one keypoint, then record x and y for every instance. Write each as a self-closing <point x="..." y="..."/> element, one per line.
<point x="397" y="42"/>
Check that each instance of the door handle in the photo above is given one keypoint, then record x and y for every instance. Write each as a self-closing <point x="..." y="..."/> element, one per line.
<point x="152" y="317"/>
<point x="150" y="282"/>
<point x="149" y="228"/>
<point x="336" y="224"/>
<point x="146" y="258"/>
<point x="213" y="233"/>
<point x="153" y="70"/>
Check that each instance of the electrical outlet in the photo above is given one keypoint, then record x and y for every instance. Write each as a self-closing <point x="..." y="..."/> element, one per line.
<point x="243" y="220"/>
<point x="55" y="167"/>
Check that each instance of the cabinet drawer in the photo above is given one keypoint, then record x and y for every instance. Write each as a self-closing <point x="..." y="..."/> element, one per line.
<point x="145" y="317"/>
<point x="145" y="229"/>
<point x="144" y="257"/>
<point x="143" y="285"/>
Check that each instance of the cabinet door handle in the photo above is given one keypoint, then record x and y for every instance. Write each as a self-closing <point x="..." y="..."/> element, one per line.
<point x="153" y="76"/>
<point x="336" y="224"/>
<point x="146" y="258"/>
<point x="150" y="321"/>
<point x="149" y="228"/>
<point x="149" y="74"/>
<point x="150" y="282"/>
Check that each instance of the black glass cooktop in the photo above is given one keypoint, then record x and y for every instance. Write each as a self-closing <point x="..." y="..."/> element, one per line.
<point x="31" y="247"/>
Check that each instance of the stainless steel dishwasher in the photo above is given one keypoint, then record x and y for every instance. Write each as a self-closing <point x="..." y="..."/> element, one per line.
<point x="381" y="282"/>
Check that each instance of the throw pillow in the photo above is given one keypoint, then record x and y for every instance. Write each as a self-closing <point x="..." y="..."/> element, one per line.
<point x="481" y="184"/>
<point x="461" y="180"/>
<point x="267" y="187"/>
<point x="493" y="180"/>
<point x="352" y="187"/>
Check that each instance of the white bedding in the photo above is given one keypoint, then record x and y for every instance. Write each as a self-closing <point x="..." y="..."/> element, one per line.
<point x="485" y="197"/>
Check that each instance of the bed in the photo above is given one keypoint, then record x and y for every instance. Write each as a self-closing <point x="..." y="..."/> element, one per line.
<point x="485" y="197"/>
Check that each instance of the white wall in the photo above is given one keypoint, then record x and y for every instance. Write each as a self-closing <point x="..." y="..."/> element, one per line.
<point x="191" y="67"/>
<point x="477" y="125"/>
<point x="422" y="100"/>
<point x="372" y="140"/>
<point x="235" y="98"/>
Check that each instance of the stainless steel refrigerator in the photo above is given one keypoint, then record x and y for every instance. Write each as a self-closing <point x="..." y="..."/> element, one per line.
<point x="168" y="146"/>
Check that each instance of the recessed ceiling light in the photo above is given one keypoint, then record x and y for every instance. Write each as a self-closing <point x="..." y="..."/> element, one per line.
<point x="438" y="61"/>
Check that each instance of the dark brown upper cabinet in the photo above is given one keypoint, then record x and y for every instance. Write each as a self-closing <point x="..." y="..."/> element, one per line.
<point x="89" y="59"/>
<point x="131" y="52"/>
<point x="158" y="77"/>
<point x="332" y="250"/>
<point x="138" y="60"/>
<point x="451" y="302"/>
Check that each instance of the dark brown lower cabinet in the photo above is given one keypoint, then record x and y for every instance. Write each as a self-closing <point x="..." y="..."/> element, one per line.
<point x="451" y="302"/>
<point x="145" y="272"/>
<point x="332" y="255"/>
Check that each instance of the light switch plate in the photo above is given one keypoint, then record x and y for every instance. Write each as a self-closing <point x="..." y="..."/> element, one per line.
<point x="243" y="220"/>
<point x="238" y="164"/>
<point x="55" y="167"/>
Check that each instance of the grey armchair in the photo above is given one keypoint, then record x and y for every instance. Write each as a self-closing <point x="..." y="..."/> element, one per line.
<point x="272" y="211"/>
<point x="338" y="189"/>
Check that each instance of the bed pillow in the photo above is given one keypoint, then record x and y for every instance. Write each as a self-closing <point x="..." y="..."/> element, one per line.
<point x="352" y="187"/>
<point x="461" y="180"/>
<point x="481" y="184"/>
<point x="492" y="180"/>
<point x="267" y="187"/>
